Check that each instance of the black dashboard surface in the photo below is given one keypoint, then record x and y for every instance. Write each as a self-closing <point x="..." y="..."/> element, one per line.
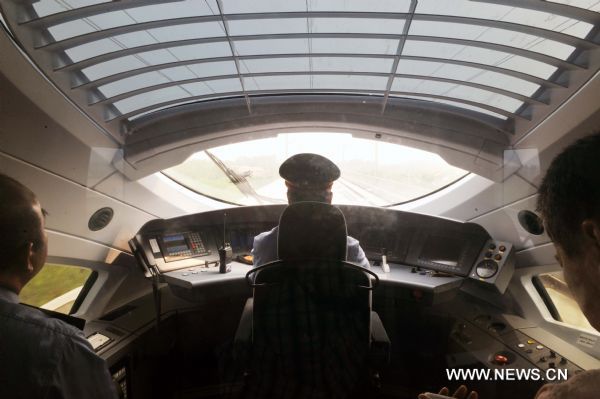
<point x="406" y="238"/>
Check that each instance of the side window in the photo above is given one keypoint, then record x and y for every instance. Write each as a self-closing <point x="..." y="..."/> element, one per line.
<point x="55" y="287"/>
<point x="560" y="301"/>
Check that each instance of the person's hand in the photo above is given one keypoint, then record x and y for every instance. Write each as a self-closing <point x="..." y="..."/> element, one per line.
<point x="460" y="393"/>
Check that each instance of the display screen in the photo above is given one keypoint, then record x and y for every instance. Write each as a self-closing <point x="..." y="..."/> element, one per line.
<point x="182" y="246"/>
<point x="175" y="243"/>
<point x="241" y="237"/>
<point x="442" y="250"/>
<point x="242" y="240"/>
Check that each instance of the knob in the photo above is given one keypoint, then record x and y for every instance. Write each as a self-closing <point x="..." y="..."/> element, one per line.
<point x="486" y="268"/>
<point x="492" y="246"/>
<point x="500" y="359"/>
<point x="498" y="257"/>
<point x="543" y="359"/>
<point x="502" y="248"/>
<point x="563" y="360"/>
<point x="552" y="354"/>
<point x="551" y="365"/>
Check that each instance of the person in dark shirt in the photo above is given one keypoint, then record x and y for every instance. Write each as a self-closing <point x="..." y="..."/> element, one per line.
<point x="569" y="203"/>
<point x="40" y="357"/>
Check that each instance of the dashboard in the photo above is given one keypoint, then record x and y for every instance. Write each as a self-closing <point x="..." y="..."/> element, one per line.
<point x="445" y="280"/>
<point x="184" y="251"/>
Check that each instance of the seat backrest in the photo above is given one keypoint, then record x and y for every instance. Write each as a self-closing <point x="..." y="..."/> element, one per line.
<point x="311" y="317"/>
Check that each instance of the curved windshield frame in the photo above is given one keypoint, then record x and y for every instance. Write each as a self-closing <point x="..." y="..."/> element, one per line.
<point x="373" y="172"/>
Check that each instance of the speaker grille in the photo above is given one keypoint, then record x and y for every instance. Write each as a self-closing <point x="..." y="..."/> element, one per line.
<point x="531" y="222"/>
<point x="100" y="219"/>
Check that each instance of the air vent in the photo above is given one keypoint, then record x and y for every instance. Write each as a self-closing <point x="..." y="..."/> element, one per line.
<point x="531" y="222"/>
<point x="100" y="219"/>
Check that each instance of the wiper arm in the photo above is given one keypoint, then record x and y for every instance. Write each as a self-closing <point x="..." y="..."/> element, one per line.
<point x="239" y="181"/>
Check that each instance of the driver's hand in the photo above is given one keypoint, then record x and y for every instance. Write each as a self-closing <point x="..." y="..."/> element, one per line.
<point x="460" y="393"/>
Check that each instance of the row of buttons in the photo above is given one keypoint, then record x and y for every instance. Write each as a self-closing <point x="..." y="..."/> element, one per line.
<point x="196" y="246"/>
<point x="542" y="359"/>
<point x="501" y="248"/>
<point x="194" y="272"/>
<point x="200" y="269"/>
<point x="196" y="242"/>
<point x="530" y="342"/>
<point x="492" y="247"/>
<point x="181" y="253"/>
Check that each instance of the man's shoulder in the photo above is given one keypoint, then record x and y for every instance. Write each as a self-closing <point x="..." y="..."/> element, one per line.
<point x="48" y="355"/>
<point x="351" y="241"/>
<point x="265" y="235"/>
<point x="31" y="321"/>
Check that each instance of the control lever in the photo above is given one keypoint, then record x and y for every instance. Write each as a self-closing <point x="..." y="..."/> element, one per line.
<point x="384" y="264"/>
<point x="225" y="252"/>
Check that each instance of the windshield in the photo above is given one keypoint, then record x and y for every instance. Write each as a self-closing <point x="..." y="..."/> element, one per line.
<point x="374" y="173"/>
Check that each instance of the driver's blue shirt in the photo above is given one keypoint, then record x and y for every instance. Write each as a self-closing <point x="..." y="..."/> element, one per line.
<point x="264" y="249"/>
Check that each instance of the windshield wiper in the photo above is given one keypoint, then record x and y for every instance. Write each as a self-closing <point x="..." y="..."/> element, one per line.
<point x="239" y="181"/>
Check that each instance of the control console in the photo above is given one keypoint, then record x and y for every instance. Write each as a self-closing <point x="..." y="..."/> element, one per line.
<point x="184" y="250"/>
<point x="497" y="344"/>
<point x="176" y="250"/>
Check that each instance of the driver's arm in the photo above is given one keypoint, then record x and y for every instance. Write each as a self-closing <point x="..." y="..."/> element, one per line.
<point x="356" y="253"/>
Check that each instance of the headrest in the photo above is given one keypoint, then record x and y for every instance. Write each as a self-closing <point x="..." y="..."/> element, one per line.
<point x="312" y="230"/>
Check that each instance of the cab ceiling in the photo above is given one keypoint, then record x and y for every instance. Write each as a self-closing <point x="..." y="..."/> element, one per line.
<point x="166" y="78"/>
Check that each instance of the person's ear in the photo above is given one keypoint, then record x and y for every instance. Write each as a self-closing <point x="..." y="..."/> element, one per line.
<point x="591" y="232"/>
<point x="31" y="255"/>
<point x="23" y="259"/>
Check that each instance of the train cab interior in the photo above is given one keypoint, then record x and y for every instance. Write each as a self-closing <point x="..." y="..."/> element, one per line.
<point x="152" y="132"/>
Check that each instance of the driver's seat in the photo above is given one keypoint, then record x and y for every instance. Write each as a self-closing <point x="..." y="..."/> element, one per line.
<point x="311" y="324"/>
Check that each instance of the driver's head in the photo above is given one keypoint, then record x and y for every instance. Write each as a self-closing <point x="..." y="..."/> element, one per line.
<point x="569" y="202"/>
<point x="309" y="177"/>
<point x="23" y="241"/>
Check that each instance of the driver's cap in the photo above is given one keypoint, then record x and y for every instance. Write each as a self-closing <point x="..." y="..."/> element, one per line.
<point x="309" y="171"/>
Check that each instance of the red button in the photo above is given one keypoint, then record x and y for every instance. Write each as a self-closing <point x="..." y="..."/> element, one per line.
<point x="500" y="359"/>
<point x="417" y="294"/>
